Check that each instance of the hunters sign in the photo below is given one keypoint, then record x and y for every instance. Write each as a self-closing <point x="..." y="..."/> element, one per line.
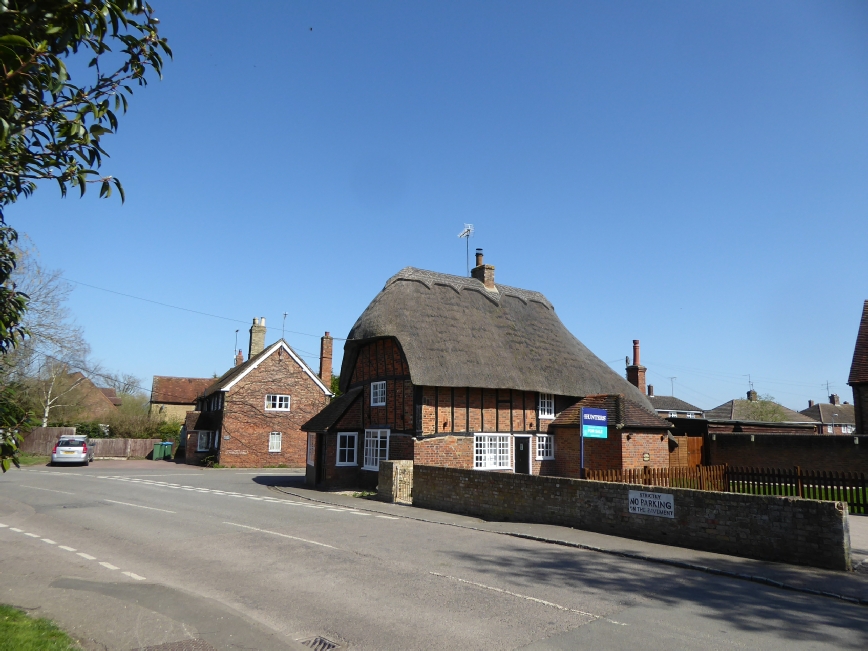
<point x="661" y="505"/>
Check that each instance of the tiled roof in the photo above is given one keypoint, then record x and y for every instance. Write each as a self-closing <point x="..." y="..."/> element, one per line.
<point x="622" y="412"/>
<point x="332" y="412"/>
<point x="824" y="412"/>
<point x="744" y="410"/>
<point x="112" y="395"/>
<point x="671" y="403"/>
<point x="202" y="420"/>
<point x="178" y="390"/>
<point x="859" y="367"/>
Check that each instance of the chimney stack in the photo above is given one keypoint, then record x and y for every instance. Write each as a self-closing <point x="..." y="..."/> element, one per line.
<point x="650" y="390"/>
<point x="257" y="337"/>
<point x="239" y="358"/>
<point x="325" y="360"/>
<point x="835" y="399"/>
<point x="484" y="273"/>
<point x="810" y="403"/>
<point x="636" y="372"/>
<point x="752" y="395"/>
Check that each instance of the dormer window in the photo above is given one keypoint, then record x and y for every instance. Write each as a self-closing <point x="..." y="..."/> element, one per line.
<point x="378" y="394"/>
<point x="546" y="405"/>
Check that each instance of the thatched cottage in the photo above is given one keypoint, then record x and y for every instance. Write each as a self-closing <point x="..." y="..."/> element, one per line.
<point x="457" y="372"/>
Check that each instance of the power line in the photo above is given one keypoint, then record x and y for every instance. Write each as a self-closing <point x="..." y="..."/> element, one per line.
<point x="183" y="309"/>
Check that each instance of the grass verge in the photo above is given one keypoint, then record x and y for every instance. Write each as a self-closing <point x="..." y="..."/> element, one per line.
<point x="20" y="632"/>
<point x="27" y="459"/>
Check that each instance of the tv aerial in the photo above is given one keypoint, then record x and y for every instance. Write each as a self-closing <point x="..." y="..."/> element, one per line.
<point x="466" y="234"/>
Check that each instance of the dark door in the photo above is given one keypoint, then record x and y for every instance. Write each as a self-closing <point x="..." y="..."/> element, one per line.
<point x="522" y="454"/>
<point x="320" y="458"/>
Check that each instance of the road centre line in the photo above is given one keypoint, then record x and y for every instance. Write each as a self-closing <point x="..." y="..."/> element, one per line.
<point x="50" y="490"/>
<point x="33" y="535"/>
<point x="65" y="548"/>
<point x="49" y="541"/>
<point x="87" y="556"/>
<point x="282" y="535"/>
<point x="139" y="506"/>
<point x="522" y="596"/>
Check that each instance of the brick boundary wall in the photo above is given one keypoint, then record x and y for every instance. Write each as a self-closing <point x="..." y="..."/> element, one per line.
<point x="782" y="529"/>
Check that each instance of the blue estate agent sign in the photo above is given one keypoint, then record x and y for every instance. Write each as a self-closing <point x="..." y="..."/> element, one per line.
<point x="595" y="423"/>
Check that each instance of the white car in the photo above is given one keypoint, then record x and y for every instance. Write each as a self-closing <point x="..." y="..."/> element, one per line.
<point x="72" y="449"/>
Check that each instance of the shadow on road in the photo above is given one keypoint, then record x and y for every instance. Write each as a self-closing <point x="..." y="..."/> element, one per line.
<point x="282" y="481"/>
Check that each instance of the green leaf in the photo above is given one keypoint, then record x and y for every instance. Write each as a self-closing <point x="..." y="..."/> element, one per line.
<point x="13" y="40"/>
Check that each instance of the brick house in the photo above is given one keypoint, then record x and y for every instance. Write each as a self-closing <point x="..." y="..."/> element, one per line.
<point x="751" y="414"/>
<point x="834" y="416"/>
<point x="859" y="375"/>
<point x="458" y="372"/>
<point x="252" y="415"/>
<point x="173" y="397"/>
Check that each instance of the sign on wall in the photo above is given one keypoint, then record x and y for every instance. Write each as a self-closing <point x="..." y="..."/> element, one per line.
<point x="661" y="505"/>
<point x="595" y="423"/>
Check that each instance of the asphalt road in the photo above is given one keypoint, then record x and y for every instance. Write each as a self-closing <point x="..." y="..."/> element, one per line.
<point x="146" y="554"/>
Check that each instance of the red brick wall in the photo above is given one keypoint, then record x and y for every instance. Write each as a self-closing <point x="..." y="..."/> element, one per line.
<point x="633" y="450"/>
<point x="249" y="425"/>
<point x="447" y="451"/>
<point x="836" y="453"/>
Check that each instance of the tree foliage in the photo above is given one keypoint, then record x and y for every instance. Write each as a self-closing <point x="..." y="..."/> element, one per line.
<point x="50" y="127"/>
<point x="764" y="409"/>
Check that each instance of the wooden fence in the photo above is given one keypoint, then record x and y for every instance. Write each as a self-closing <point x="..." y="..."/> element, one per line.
<point x="41" y="441"/>
<point x="708" y="478"/>
<point x="850" y="487"/>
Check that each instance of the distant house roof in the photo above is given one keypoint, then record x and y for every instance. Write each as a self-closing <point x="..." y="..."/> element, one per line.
<point x="743" y="410"/>
<point x="456" y="333"/>
<point x="622" y="412"/>
<point x="859" y="367"/>
<point x="825" y="412"/>
<point x="178" y="390"/>
<point x="236" y="373"/>
<point x="112" y="395"/>
<point x="671" y="403"/>
<point x="332" y="412"/>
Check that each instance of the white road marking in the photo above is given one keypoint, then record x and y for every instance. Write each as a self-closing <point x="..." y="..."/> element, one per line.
<point x="3" y="526"/>
<point x="282" y="535"/>
<point x="16" y="530"/>
<point x="337" y="510"/>
<point x="87" y="556"/>
<point x="388" y="517"/>
<point x="133" y="576"/>
<point x="109" y="566"/>
<point x="69" y="549"/>
<point x="139" y="506"/>
<point x="259" y="499"/>
<point x="522" y="596"/>
<point x="49" y="541"/>
<point x="46" y="489"/>
<point x="358" y="513"/>
<point x="33" y="535"/>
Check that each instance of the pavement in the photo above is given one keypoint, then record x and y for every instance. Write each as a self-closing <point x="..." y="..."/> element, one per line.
<point x="154" y="555"/>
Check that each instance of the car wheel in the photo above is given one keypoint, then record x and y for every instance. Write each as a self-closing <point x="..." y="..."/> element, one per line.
<point x="86" y="462"/>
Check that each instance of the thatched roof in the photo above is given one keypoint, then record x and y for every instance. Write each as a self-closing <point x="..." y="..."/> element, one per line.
<point x="455" y="333"/>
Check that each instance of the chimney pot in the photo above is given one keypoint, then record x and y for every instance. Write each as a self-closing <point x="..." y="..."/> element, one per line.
<point x="484" y="273"/>
<point x="810" y="403"/>
<point x="835" y="399"/>
<point x="650" y="390"/>
<point x="752" y="395"/>
<point x="635" y="371"/>
<point x="635" y="352"/>
<point x="239" y="358"/>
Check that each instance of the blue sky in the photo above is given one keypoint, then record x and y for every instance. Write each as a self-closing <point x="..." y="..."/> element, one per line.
<point x="689" y="174"/>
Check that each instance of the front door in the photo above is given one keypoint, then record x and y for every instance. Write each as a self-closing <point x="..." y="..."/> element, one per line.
<point x="522" y="455"/>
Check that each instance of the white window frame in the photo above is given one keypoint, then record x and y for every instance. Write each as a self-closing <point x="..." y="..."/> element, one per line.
<point x="492" y="452"/>
<point x="311" y="449"/>
<point x="376" y="448"/>
<point x="546" y="405"/>
<point x="350" y="447"/>
<point x="673" y="414"/>
<point x="378" y="394"/>
<point x="208" y="437"/>
<point x="848" y="429"/>
<point x="278" y="399"/>
<point x="545" y="447"/>
<point x="271" y="439"/>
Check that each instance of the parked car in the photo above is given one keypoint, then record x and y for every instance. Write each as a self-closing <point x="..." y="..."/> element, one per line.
<point x="72" y="449"/>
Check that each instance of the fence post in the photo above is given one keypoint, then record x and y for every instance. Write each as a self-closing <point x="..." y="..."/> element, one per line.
<point x="799" y="490"/>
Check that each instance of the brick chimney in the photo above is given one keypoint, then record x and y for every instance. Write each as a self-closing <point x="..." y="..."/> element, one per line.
<point x="239" y="358"/>
<point x="483" y="272"/>
<point x="810" y="403"/>
<point x="635" y="371"/>
<point x="325" y="360"/>
<point x="650" y="390"/>
<point x="752" y="396"/>
<point x="835" y="399"/>
<point x="257" y="337"/>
